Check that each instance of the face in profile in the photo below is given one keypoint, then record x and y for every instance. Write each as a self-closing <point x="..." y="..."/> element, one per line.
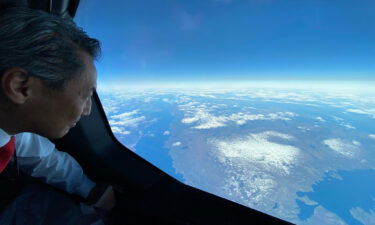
<point x="55" y="112"/>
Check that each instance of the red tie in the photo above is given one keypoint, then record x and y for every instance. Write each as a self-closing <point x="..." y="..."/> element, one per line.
<point x="6" y="153"/>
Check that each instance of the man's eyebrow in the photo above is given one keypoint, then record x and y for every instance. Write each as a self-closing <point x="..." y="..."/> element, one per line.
<point x="90" y="91"/>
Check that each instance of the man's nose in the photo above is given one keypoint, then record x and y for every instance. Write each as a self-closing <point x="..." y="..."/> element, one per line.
<point x="87" y="108"/>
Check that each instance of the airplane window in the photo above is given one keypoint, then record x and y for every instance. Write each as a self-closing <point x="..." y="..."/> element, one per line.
<point x="267" y="103"/>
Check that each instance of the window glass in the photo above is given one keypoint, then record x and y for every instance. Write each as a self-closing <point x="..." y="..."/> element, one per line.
<point x="267" y="103"/>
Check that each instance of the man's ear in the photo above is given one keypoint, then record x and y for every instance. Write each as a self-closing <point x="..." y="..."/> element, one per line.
<point x="16" y="84"/>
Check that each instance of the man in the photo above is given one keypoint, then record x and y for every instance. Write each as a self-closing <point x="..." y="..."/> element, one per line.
<point x="47" y="78"/>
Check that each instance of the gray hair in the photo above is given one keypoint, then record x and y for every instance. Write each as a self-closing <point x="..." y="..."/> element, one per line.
<point x="45" y="45"/>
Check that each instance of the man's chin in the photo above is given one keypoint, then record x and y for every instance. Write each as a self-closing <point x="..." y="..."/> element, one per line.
<point x="59" y="134"/>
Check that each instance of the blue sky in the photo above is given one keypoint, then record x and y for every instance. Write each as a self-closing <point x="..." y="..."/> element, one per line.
<point x="232" y="40"/>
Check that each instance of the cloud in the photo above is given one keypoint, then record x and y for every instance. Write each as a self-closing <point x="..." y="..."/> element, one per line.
<point x="364" y="216"/>
<point x="110" y="108"/>
<point x="119" y="130"/>
<point x="248" y="169"/>
<point x="124" y="115"/>
<point x="343" y="123"/>
<point x="337" y="118"/>
<point x="270" y="116"/>
<point x="304" y="128"/>
<point x="176" y="144"/>
<point x="207" y="120"/>
<point x="369" y="112"/>
<point x="127" y="119"/>
<point x="372" y="136"/>
<point x="191" y="106"/>
<point x="345" y="148"/>
<point x="252" y="185"/>
<point x="305" y="199"/>
<point x="296" y="93"/>
<point x="190" y="119"/>
<point x="359" y="111"/>
<point x="110" y="105"/>
<point x="320" y="119"/>
<point x="258" y="149"/>
<point x="129" y="122"/>
<point x="241" y="122"/>
<point x="213" y="123"/>
<point x="167" y="132"/>
<point x="348" y="126"/>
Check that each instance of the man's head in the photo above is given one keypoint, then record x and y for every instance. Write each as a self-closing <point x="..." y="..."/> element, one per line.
<point x="47" y="74"/>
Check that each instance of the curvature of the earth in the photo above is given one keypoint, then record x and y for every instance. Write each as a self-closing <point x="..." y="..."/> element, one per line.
<point x="301" y="155"/>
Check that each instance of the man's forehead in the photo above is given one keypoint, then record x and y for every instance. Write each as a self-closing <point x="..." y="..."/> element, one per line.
<point x="85" y="82"/>
<point x="90" y="82"/>
<point x="89" y="73"/>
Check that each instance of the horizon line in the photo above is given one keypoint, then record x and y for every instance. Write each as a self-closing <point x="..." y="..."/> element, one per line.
<point x="360" y="85"/>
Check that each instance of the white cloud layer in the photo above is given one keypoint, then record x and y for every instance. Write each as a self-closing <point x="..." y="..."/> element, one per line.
<point x="363" y="216"/>
<point x="176" y="144"/>
<point x="126" y="119"/>
<point x="258" y="149"/>
<point x="130" y="122"/>
<point x="124" y="115"/>
<point x="119" y="130"/>
<point x="206" y="120"/>
<point x="345" y="148"/>
<point x="368" y="112"/>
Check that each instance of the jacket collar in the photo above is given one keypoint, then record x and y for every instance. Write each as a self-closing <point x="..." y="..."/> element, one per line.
<point x="4" y="138"/>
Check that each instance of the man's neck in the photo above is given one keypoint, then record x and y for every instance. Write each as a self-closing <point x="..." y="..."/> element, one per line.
<point x="10" y="120"/>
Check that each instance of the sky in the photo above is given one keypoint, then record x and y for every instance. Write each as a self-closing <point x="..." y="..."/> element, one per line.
<point x="232" y="40"/>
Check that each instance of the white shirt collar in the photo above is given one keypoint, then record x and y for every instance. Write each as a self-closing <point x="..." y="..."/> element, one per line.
<point x="4" y="138"/>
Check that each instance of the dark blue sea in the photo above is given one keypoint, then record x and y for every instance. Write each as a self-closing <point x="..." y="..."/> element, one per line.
<point x="355" y="189"/>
